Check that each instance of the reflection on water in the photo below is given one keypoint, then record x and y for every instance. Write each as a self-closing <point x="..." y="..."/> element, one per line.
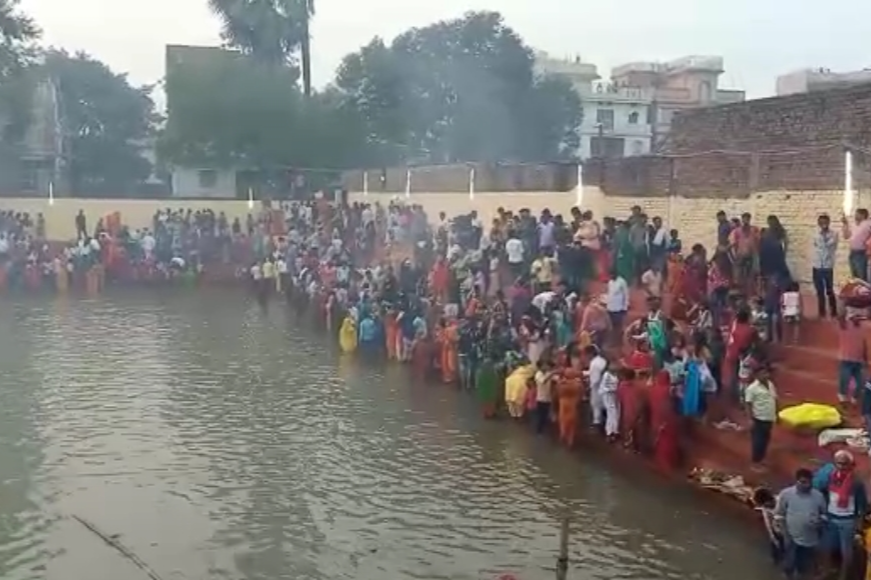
<point x="220" y="443"/>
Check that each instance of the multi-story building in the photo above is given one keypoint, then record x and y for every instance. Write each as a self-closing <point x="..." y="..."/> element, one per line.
<point x="616" y="121"/>
<point x="685" y="83"/>
<point x="819" y="79"/>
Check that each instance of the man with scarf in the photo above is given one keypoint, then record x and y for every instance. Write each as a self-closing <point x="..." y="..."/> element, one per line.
<point x="846" y="506"/>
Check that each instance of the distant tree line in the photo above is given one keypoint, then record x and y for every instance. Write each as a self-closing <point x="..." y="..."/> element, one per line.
<point x="456" y="91"/>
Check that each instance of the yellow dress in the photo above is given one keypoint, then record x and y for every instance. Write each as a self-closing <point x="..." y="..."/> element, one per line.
<point x="348" y="335"/>
<point x="515" y="384"/>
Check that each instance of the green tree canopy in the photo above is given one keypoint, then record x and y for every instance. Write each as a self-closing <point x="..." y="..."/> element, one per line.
<point x="231" y="111"/>
<point x="460" y="90"/>
<point x="18" y="34"/>
<point x="106" y="123"/>
<point x="270" y="31"/>
<point x="455" y="91"/>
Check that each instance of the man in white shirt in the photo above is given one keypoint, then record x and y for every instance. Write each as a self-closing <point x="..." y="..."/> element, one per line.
<point x="595" y="373"/>
<point x="617" y="301"/>
<point x="514" y="249"/>
<point x="542" y="299"/>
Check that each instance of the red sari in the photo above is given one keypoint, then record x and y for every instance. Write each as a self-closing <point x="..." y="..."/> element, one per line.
<point x="693" y="282"/>
<point x="664" y="424"/>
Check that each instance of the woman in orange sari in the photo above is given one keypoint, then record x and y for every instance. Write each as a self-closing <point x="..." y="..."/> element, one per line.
<point x="391" y="332"/>
<point x="569" y="397"/>
<point x="449" y="338"/>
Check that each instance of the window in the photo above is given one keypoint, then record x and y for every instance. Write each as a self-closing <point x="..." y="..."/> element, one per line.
<point x="208" y="178"/>
<point x="605" y="117"/>
<point x="633" y="118"/>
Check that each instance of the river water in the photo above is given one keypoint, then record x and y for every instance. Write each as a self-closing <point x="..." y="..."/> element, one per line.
<point x="216" y="442"/>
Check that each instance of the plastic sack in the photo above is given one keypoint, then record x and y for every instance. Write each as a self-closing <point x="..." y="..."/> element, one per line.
<point x="810" y="416"/>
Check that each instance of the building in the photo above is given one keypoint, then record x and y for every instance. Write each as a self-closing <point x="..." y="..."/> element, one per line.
<point x="685" y="83"/>
<point x="819" y="79"/>
<point x="217" y="182"/>
<point x="616" y="120"/>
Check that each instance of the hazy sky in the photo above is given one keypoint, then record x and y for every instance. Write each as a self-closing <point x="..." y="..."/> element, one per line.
<point x="759" y="39"/>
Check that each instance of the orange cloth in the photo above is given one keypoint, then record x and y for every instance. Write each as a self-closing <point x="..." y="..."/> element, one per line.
<point x="391" y="328"/>
<point x="449" y="339"/>
<point x="568" y="397"/>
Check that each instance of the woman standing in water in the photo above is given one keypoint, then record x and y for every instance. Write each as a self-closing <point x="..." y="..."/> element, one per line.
<point x="487" y="386"/>
<point x="663" y="423"/>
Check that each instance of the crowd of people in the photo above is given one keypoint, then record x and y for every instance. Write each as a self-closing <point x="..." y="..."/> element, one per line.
<point x="179" y="246"/>
<point x="532" y="313"/>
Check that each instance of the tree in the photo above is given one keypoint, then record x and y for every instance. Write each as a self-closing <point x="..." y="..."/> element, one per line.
<point x="232" y="112"/>
<point x="106" y="124"/>
<point x="370" y="85"/>
<point x="18" y="33"/>
<point x="459" y="90"/>
<point x="271" y="31"/>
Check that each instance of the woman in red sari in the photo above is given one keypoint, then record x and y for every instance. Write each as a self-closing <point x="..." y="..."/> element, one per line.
<point x="629" y="396"/>
<point x="664" y="423"/>
<point x="692" y="285"/>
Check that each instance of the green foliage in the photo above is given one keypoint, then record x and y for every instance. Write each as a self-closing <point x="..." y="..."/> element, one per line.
<point x="270" y="31"/>
<point x="18" y="34"/>
<point x="230" y="112"/>
<point x="106" y="123"/>
<point x="458" y="90"/>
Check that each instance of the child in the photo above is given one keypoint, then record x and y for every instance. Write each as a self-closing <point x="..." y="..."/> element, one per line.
<point x="764" y="502"/>
<point x="674" y="245"/>
<point x="790" y="309"/>
<point x="759" y="318"/>
<point x="641" y="360"/>
<point x="652" y="282"/>
<point x="701" y="317"/>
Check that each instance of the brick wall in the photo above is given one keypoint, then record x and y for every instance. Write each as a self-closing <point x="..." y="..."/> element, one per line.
<point x="794" y="143"/>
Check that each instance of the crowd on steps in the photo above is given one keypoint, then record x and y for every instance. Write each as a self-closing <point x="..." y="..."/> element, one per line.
<point x="571" y="324"/>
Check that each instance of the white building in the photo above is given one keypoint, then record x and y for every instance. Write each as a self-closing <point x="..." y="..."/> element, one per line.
<point x="616" y="119"/>
<point x="819" y="79"/>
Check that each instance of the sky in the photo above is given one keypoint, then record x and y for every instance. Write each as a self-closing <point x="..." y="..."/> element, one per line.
<point x="758" y="39"/>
